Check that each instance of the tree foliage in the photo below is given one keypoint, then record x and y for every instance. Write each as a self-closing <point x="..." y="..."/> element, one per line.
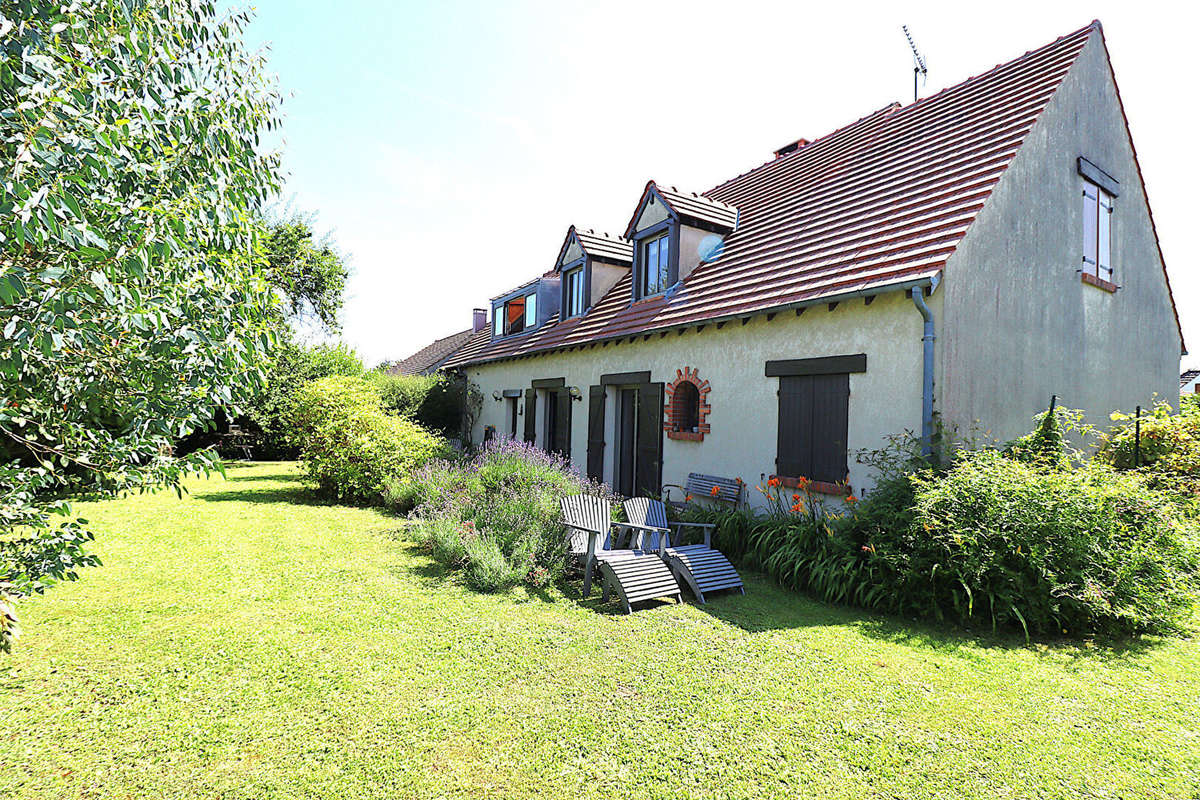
<point x="307" y="273"/>
<point x="131" y="305"/>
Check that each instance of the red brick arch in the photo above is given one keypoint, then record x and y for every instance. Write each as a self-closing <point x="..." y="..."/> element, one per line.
<point x="675" y="407"/>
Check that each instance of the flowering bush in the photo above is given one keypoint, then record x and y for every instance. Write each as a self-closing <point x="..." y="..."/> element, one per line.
<point x="496" y="515"/>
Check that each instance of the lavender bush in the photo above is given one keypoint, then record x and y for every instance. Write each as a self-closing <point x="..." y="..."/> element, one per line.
<point x="495" y="515"/>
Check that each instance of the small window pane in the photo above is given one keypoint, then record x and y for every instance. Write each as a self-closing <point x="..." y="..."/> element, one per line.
<point x="664" y="267"/>
<point x="531" y="311"/>
<point x="498" y="321"/>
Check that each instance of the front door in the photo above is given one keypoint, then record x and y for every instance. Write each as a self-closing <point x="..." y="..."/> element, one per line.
<point x="639" y="440"/>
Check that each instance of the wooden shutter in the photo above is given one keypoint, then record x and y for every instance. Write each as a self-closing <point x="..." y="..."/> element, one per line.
<point x="813" y="425"/>
<point x="561" y="408"/>
<point x="794" y="449"/>
<point x="595" y="444"/>
<point x="648" y="479"/>
<point x="831" y="405"/>
<point x="530" y="415"/>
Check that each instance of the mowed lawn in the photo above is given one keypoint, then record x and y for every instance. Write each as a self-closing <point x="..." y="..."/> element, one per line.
<point x="245" y="642"/>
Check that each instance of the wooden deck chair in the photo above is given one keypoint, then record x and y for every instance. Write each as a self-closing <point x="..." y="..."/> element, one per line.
<point x="702" y="568"/>
<point x="634" y="573"/>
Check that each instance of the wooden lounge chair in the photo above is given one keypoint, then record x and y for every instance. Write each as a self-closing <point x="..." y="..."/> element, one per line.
<point x="702" y="568"/>
<point x="635" y="574"/>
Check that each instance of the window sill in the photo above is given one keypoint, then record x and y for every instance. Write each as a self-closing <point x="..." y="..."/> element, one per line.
<point x="1099" y="283"/>
<point x="685" y="436"/>
<point x="816" y="487"/>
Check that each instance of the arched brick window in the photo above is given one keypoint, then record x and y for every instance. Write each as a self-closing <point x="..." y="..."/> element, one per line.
<point x="686" y="411"/>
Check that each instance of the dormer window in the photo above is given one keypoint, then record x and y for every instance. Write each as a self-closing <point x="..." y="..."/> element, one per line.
<point x="670" y="231"/>
<point x="574" y="303"/>
<point x="655" y="266"/>
<point x="516" y="315"/>
<point x="589" y="264"/>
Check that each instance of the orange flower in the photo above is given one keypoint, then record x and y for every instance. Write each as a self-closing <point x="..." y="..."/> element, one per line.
<point x="851" y="499"/>
<point x="802" y="482"/>
<point x="773" y="482"/>
<point x="716" y="491"/>
<point x="798" y="507"/>
<point x="688" y="499"/>
<point x="795" y="497"/>
<point x="740" y="481"/>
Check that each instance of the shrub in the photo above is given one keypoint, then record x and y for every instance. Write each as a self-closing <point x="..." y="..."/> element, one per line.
<point x="495" y="515"/>
<point x="1168" y="453"/>
<point x="1083" y="550"/>
<point x="995" y="537"/>
<point x="350" y="446"/>
<point x="435" y="401"/>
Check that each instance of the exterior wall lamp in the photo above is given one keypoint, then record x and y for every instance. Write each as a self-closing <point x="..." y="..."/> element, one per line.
<point x="496" y="395"/>
<point x="575" y="393"/>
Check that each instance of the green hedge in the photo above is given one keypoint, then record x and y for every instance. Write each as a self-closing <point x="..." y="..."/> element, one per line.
<point x="351" y="447"/>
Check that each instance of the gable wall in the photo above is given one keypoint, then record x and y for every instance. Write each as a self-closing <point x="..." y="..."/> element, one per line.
<point x="1019" y="323"/>
<point x="744" y="418"/>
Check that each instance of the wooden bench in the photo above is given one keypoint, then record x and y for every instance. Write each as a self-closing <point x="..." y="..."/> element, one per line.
<point x="729" y="490"/>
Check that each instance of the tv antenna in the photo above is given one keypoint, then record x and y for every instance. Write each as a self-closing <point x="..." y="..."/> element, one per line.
<point x="919" y="67"/>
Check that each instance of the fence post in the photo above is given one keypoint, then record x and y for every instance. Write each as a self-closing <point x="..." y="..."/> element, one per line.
<point x="1137" y="438"/>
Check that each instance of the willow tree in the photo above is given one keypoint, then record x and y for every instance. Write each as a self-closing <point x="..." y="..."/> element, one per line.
<point x="131" y="299"/>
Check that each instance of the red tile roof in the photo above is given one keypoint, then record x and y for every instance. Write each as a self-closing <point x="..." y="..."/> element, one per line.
<point x="881" y="202"/>
<point x="430" y="357"/>
<point x="603" y="246"/>
<point x="689" y="206"/>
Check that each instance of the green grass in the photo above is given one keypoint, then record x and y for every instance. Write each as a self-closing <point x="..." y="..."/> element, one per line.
<point x="244" y="642"/>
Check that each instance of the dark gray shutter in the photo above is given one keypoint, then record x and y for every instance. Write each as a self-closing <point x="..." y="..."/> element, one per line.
<point x="562" y="425"/>
<point x="813" y="422"/>
<point x="595" y="445"/>
<point x="794" y="448"/>
<point x="530" y="415"/>
<point x="648" y="479"/>
<point x="831" y="401"/>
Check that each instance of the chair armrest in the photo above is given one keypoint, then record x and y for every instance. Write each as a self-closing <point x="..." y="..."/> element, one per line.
<point x="707" y="527"/>
<point x="644" y="529"/>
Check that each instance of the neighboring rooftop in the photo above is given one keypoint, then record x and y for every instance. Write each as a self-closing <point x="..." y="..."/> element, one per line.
<point x="1188" y="376"/>
<point x="879" y="204"/>
<point x="430" y="357"/>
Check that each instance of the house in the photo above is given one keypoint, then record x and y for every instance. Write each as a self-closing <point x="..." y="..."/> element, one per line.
<point x="430" y="358"/>
<point x="1189" y="382"/>
<point x="960" y="258"/>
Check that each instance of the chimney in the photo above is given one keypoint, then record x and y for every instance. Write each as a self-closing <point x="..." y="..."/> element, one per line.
<point x="791" y="147"/>
<point x="478" y="320"/>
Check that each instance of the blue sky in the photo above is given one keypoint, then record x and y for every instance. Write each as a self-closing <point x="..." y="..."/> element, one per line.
<point x="447" y="147"/>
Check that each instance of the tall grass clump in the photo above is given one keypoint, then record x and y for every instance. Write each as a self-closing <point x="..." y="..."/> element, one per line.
<point x="496" y="515"/>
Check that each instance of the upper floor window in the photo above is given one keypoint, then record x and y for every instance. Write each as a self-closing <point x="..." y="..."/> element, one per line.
<point x="573" y="289"/>
<point x="655" y="266"/>
<point x="1097" y="231"/>
<point x="516" y="315"/>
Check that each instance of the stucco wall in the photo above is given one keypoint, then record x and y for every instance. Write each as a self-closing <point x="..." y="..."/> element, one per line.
<point x="1019" y="323"/>
<point x="744" y="418"/>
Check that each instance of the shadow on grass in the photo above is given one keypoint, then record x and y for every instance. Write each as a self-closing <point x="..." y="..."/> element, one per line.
<point x="296" y="494"/>
<point x="769" y="607"/>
